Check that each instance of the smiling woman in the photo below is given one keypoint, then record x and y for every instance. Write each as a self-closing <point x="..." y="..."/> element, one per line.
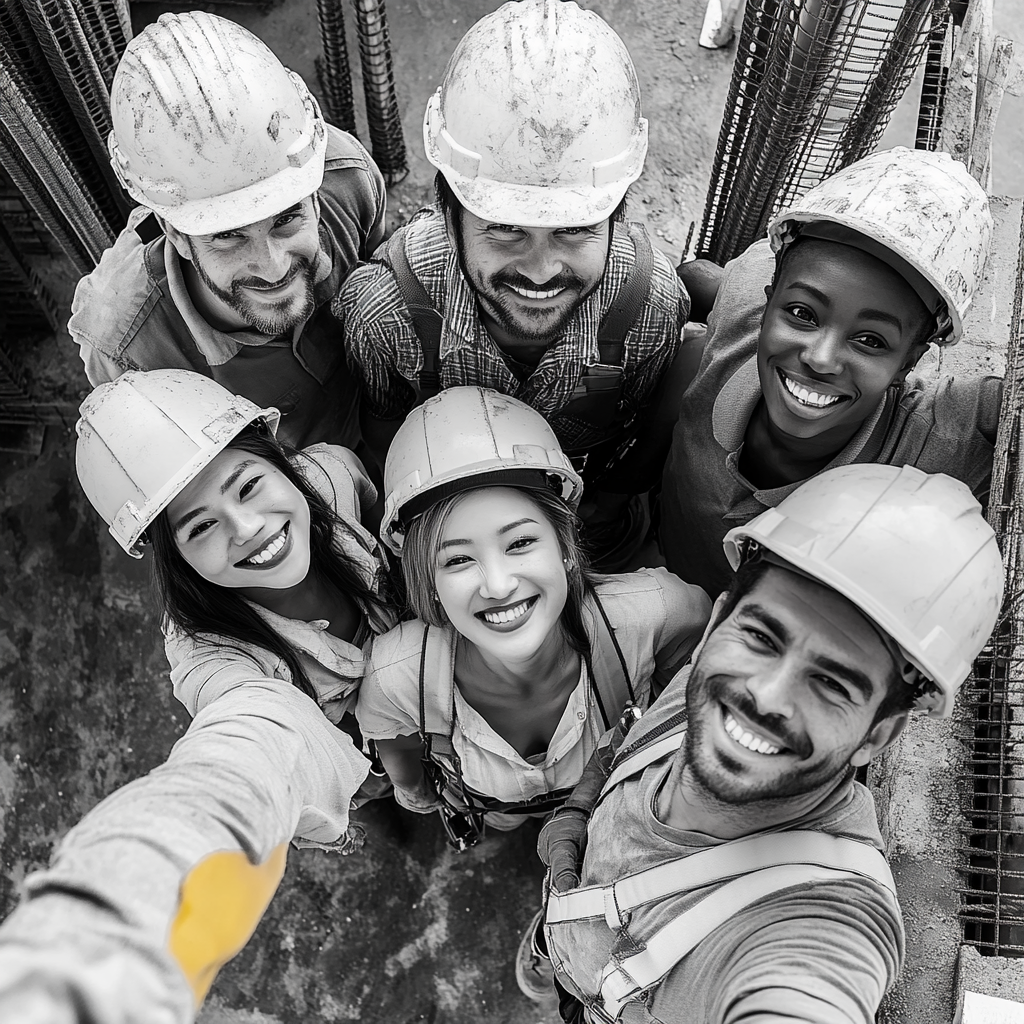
<point x="490" y="702"/>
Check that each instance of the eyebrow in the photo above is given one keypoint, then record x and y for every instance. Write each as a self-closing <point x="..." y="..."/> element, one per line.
<point x="232" y="477"/>
<point x="857" y="679"/>
<point x="505" y="529"/>
<point x="864" y="314"/>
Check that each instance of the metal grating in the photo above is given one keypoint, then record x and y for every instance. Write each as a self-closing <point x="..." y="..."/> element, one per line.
<point x="812" y="89"/>
<point x="992" y="895"/>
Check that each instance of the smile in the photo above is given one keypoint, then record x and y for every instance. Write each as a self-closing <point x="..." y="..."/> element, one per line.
<point x="747" y="739"/>
<point x="503" y="616"/>
<point x="269" y="551"/>
<point x="805" y="396"/>
<point x="531" y="293"/>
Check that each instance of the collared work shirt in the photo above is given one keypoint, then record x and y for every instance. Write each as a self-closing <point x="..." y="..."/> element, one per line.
<point x="944" y="426"/>
<point x="384" y="351"/>
<point x="134" y="312"/>
<point x="657" y="619"/>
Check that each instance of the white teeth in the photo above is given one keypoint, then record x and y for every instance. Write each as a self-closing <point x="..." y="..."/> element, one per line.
<point x="268" y="552"/>
<point x="808" y="397"/>
<point x="530" y="293"/>
<point x="748" y="739"/>
<point x="517" y="611"/>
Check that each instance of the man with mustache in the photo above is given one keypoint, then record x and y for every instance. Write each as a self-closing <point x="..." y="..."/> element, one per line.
<point x="253" y="209"/>
<point x="866" y="592"/>
<point x="524" y="277"/>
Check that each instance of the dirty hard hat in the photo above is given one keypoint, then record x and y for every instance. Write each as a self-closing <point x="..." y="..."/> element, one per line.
<point x="919" y="212"/>
<point x="464" y="438"/>
<point x="537" y="120"/>
<point x="911" y="550"/>
<point x="146" y="435"/>
<point x="210" y="130"/>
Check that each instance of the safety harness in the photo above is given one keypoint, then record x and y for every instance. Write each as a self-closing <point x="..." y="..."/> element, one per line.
<point x="437" y="727"/>
<point x="752" y="868"/>
<point x="597" y="398"/>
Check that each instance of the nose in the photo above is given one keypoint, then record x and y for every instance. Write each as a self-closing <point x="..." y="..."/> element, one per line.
<point x="772" y="690"/>
<point x="496" y="581"/>
<point x="823" y="353"/>
<point x="245" y="523"/>
<point x="542" y="260"/>
<point x="270" y="258"/>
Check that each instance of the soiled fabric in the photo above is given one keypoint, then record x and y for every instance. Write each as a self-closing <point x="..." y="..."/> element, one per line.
<point x="657" y="619"/>
<point x="133" y="312"/>
<point x="819" y="954"/>
<point x="260" y="765"/>
<point x="944" y="426"/>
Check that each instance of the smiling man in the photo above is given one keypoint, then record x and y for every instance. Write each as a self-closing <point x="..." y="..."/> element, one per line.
<point x="746" y="865"/>
<point x="525" y="277"/>
<point x="869" y="268"/>
<point x="253" y="210"/>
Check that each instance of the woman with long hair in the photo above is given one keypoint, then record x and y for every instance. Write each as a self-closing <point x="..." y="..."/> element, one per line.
<point x="489" y="703"/>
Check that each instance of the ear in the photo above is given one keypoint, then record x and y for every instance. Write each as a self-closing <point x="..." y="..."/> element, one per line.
<point x="882" y="734"/>
<point x="917" y="350"/>
<point x="177" y="239"/>
<point x="716" y="614"/>
<point x="769" y="291"/>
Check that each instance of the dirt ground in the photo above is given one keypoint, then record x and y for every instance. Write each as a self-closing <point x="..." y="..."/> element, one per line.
<point x="404" y="931"/>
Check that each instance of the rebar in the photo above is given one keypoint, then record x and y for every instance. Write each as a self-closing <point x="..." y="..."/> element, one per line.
<point x="383" y="120"/>
<point x="812" y="89"/>
<point x="992" y="907"/>
<point x="933" y="85"/>
<point x="333" y="70"/>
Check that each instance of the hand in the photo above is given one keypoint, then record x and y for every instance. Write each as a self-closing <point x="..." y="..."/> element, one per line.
<point x="422" y="800"/>
<point x="561" y="844"/>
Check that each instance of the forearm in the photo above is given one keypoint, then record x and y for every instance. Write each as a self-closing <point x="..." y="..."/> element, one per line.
<point x="166" y="879"/>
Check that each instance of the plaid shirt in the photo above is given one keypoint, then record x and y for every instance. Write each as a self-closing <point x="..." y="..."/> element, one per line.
<point x="384" y="352"/>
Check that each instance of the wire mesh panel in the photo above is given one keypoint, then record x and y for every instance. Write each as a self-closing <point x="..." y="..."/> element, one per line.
<point x="992" y="909"/>
<point x="812" y="89"/>
<point x="333" y="70"/>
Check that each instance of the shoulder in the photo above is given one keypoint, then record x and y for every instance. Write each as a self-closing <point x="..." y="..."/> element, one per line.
<point x="956" y="404"/>
<point x="398" y="651"/>
<point x="338" y="477"/>
<point x="351" y="178"/>
<point x="741" y="298"/>
<point x="666" y="295"/>
<point x="108" y="301"/>
<point x="621" y="590"/>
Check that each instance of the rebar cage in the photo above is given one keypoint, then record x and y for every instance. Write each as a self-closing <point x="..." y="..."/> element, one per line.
<point x="992" y="894"/>
<point x="814" y="84"/>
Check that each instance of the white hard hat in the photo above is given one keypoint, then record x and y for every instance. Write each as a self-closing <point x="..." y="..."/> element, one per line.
<point x="910" y="549"/>
<point x="144" y="436"/>
<point x="537" y="121"/>
<point x="920" y="212"/>
<point x="464" y="438"/>
<point x="211" y="131"/>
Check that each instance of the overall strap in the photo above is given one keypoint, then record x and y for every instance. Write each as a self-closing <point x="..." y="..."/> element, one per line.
<point x="609" y="693"/>
<point x="427" y="321"/>
<point x="630" y="300"/>
<point x="735" y="859"/>
<point x="627" y="979"/>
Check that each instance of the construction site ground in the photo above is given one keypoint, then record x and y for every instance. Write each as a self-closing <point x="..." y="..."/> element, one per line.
<point x="406" y="930"/>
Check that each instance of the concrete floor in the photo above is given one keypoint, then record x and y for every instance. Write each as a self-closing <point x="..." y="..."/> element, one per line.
<point x="404" y="931"/>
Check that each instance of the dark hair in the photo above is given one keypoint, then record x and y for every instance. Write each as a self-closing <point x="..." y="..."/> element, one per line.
<point x="899" y="695"/>
<point x="198" y="608"/>
<point x="449" y="205"/>
<point x="419" y="562"/>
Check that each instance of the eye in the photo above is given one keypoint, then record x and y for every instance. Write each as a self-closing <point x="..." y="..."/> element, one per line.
<point x="225" y="236"/>
<point x="504" y="232"/>
<point x="872" y="341"/>
<point x="522" y="543"/>
<point x="835" y="688"/>
<point x="802" y="313"/>
<point x="454" y="561"/>
<point x="246" y="489"/>
<point x="199" y="528"/>
<point x="759" y="638"/>
<point x="287" y="218"/>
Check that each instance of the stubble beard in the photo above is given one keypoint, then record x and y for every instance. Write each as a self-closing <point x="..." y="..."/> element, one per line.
<point x="276" y="318"/>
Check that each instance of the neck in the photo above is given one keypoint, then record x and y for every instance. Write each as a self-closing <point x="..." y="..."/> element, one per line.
<point x="310" y="599"/>
<point x="773" y="458"/>
<point x="523" y="350"/>
<point x="684" y="804"/>
<point x="532" y="675"/>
